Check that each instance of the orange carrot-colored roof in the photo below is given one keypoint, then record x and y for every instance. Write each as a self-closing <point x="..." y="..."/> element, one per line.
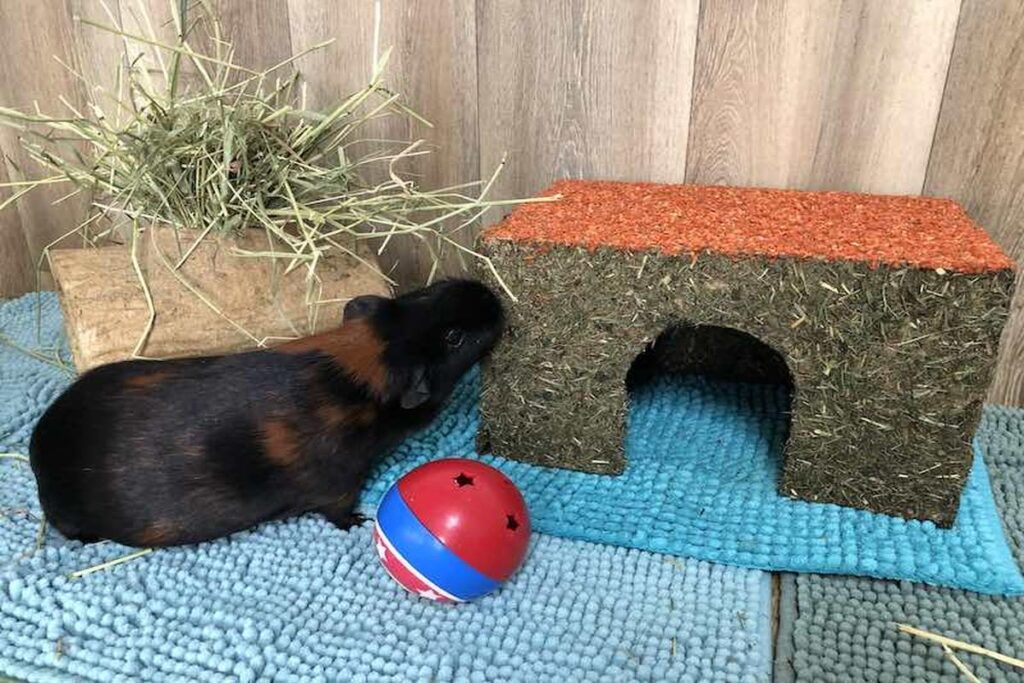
<point x="918" y="231"/>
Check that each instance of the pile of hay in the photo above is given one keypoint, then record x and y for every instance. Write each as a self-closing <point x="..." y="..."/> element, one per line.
<point x="210" y="148"/>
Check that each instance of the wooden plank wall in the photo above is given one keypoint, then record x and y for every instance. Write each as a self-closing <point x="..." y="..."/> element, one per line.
<point x="916" y="96"/>
<point x="978" y="152"/>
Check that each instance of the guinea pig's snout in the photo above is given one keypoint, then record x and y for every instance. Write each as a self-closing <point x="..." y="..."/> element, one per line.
<point x="363" y="306"/>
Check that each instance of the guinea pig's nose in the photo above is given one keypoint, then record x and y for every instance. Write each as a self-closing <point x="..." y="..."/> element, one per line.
<point x="363" y="306"/>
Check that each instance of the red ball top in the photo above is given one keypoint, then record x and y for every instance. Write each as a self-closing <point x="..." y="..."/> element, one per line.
<point x="473" y="509"/>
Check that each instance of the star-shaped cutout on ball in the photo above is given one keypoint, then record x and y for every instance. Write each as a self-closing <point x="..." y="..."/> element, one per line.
<point x="382" y="550"/>
<point x="513" y="523"/>
<point x="430" y="594"/>
<point x="464" y="480"/>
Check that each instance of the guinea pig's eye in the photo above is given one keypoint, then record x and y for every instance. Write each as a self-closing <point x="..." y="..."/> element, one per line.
<point x="454" y="338"/>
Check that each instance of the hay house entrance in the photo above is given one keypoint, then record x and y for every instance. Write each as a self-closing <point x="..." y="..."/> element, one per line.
<point x="717" y="353"/>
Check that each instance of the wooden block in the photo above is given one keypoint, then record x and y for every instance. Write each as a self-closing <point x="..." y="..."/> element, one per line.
<point x="106" y="313"/>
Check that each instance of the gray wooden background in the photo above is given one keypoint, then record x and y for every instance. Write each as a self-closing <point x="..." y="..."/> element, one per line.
<point x="892" y="96"/>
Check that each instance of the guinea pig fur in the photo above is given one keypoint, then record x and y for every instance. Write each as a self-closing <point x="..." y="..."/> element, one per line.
<point x="158" y="453"/>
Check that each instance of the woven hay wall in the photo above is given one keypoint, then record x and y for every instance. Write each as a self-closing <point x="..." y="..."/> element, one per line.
<point x="889" y="365"/>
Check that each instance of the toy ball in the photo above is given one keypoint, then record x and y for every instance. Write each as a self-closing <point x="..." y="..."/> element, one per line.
<point x="452" y="530"/>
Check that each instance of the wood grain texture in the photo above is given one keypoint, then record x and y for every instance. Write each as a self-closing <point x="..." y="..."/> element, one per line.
<point x="584" y="88"/>
<point x="16" y="272"/>
<point x="30" y="75"/>
<point x="433" y="64"/>
<point x="978" y="154"/>
<point x="256" y="30"/>
<point x="105" y="309"/>
<point x="831" y="94"/>
<point x="259" y="31"/>
<point x="153" y="19"/>
<point x="99" y="54"/>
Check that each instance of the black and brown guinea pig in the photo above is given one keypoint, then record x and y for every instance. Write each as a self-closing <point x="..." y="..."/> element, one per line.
<point x="158" y="453"/>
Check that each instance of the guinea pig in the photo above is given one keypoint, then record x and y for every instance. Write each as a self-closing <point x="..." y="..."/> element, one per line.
<point x="159" y="453"/>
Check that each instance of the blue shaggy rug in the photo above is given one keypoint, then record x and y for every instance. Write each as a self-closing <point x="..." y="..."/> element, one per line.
<point x="302" y="601"/>
<point x="703" y="461"/>
<point x="843" y="628"/>
<point x="701" y="481"/>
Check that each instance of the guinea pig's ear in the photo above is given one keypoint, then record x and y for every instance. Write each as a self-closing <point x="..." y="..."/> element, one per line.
<point x="416" y="392"/>
<point x="363" y="306"/>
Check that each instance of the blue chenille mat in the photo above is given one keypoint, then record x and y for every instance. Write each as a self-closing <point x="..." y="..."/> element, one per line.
<point x="703" y="461"/>
<point x="302" y="601"/>
<point x="701" y="482"/>
<point x="843" y="628"/>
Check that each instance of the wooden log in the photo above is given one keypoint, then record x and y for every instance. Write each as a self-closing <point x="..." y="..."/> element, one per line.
<point x="106" y="313"/>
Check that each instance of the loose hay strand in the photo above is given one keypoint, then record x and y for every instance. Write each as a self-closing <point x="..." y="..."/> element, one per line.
<point x="41" y="533"/>
<point x="110" y="563"/>
<point x="961" y="645"/>
<point x="963" y="668"/>
<point x="56" y="361"/>
<point x="150" y="306"/>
